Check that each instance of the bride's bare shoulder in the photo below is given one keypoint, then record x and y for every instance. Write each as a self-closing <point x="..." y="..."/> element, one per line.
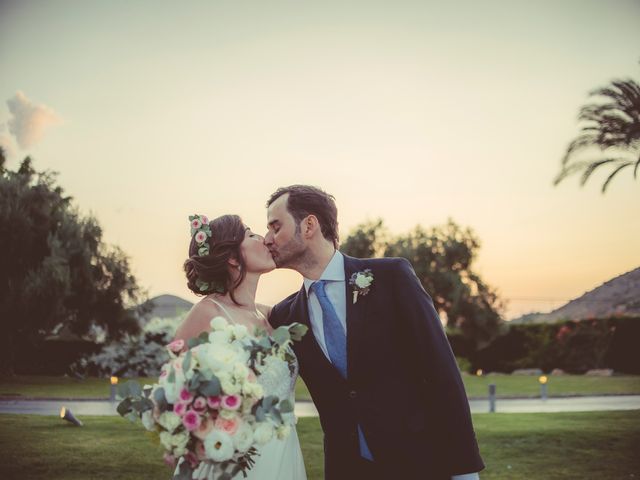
<point x="198" y="320"/>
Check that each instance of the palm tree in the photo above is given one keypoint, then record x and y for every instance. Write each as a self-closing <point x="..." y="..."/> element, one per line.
<point x="613" y="127"/>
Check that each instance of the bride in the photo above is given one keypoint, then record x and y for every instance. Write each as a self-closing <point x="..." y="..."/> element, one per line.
<point x="227" y="274"/>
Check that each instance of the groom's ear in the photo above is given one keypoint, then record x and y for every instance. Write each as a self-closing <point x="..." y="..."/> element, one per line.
<point x="310" y="226"/>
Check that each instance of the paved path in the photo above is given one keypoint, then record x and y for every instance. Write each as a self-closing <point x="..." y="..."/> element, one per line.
<point x="307" y="409"/>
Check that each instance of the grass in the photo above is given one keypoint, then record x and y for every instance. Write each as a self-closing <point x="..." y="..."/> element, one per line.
<point x="594" y="445"/>
<point x="506" y="386"/>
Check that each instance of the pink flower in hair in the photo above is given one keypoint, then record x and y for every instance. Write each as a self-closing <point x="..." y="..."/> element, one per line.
<point x="201" y="237"/>
<point x="195" y="223"/>
<point x="204" y="219"/>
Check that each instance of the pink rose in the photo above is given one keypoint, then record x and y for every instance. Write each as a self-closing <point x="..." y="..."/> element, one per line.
<point x="203" y="430"/>
<point x="170" y="460"/>
<point x="214" y="401"/>
<point x="230" y="426"/>
<point x="176" y="346"/>
<point x="195" y="223"/>
<point x="191" y="420"/>
<point x="180" y="408"/>
<point x="201" y="237"/>
<point x="231" y="402"/>
<point x="199" y="404"/>
<point x="204" y="219"/>
<point x="186" y="396"/>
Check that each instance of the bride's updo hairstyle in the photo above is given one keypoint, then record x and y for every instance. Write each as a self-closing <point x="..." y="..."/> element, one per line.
<point x="210" y="273"/>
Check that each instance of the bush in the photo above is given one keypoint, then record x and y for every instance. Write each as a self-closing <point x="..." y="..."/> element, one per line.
<point x="135" y="355"/>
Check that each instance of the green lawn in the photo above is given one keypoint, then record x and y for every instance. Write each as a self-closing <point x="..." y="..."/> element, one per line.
<point x="506" y="385"/>
<point x="541" y="446"/>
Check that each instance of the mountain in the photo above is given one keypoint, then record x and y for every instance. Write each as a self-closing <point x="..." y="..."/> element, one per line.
<point x="168" y="306"/>
<point x="619" y="296"/>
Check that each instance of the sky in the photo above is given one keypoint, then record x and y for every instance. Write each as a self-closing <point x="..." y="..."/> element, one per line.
<point x="410" y="111"/>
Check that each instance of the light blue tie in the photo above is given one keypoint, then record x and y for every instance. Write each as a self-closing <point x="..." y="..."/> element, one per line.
<point x="336" y="340"/>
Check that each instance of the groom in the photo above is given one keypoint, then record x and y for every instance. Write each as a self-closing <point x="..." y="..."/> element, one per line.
<point x="378" y="364"/>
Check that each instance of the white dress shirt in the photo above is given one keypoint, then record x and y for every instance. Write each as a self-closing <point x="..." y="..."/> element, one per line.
<point x="335" y="288"/>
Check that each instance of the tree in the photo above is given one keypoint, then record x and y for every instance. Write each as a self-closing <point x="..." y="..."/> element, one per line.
<point x="442" y="258"/>
<point x="55" y="271"/>
<point x="612" y="126"/>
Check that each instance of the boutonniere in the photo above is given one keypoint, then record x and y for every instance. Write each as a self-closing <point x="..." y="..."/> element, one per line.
<point x="361" y="283"/>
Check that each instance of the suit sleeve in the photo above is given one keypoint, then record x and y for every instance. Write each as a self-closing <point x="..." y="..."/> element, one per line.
<point x="438" y="371"/>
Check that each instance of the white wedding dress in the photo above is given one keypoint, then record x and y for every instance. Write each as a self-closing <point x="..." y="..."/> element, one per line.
<point x="278" y="459"/>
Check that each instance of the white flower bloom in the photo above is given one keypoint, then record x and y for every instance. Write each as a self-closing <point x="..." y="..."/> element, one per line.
<point x="165" y="440"/>
<point x="240" y="371"/>
<point x="180" y="440"/>
<point x="363" y="281"/>
<point x="148" y="421"/>
<point x="218" y="323"/>
<point x="228" y="414"/>
<point x="263" y="433"/>
<point x="218" y="446"/>
<point x="240" y="331"/>
<point x="283" y="431"/>
<point x="218" y="337"/>
<point x="169" y="421"/>
<point x="243" y="439"/>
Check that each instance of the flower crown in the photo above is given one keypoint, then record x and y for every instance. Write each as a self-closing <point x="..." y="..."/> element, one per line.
<point x="201" y="232"/>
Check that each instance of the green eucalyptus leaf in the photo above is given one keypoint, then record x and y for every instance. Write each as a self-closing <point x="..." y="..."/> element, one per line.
<point x="297" y="331"/>
<point x="281" y="335"/>
<point x="187" y="361"/>
<point x="135" y="389"/>
<point x="123" y="390"/>
<point x="124" y="407"/>
<point x="260" y="415"/>
<point x="211" y="387"/>
<point x="286" y="406"/>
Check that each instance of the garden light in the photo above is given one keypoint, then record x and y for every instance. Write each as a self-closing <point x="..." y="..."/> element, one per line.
<point x="66" y="414"/>
<point x="479" y="372"/>
<point x="114" y="385"/>
<point x="543" y="387"/>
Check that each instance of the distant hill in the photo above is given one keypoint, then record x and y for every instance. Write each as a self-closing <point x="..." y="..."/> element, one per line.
<point x="168" y="306"/>
<point x="619" y="296"/>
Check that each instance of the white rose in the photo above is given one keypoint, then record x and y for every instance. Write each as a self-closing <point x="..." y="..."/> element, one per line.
<point x="228" y="414"/>
<point x="220" y="337"/>
<point x="169" y="421"/>
<point x="363" y="281"/>
<point x="165" y="440"/>
<point x="229" y="386"/>
<point x="283" y="431"/>
<point x="148" y="421"/>
<point x="218" y="446"/>
<point x="263" y="433"/>
<point x="180" y="440"/>
<point x="240" y="371"/>
<point x="243" y="439"/>
<point x="240" y="331"/>
<point x="218" y="323"/>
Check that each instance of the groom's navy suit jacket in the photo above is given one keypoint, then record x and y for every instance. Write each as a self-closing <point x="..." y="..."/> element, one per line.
<point x="403" y="385"/>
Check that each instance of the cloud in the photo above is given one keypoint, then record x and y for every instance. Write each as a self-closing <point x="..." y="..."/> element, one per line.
<point x="6" y="143"/>
<point x="29" y="121"/>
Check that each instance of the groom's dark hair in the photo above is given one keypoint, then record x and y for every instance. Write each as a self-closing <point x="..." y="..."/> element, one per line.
<point x="307" y="200"/>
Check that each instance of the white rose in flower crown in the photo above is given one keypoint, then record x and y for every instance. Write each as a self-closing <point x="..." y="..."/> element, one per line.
<point x="218" y="323"/>
<point x="218" y="446"/>
<point x="200" y="237"/>
<point x="169" y="421"/>
<point x="263" y="433"/>
<point x="363" y="281"/>
<point x="243" y="439"/>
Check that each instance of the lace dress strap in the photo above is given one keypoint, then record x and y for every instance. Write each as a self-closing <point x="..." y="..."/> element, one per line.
<point x="222" y="308"/>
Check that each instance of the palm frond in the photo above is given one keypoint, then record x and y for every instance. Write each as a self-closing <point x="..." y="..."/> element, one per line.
<point x="606" y="183"/>
<point x="592" y="168"/>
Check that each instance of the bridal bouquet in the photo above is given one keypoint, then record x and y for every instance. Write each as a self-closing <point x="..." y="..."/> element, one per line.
<point x="208" y="409"/>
